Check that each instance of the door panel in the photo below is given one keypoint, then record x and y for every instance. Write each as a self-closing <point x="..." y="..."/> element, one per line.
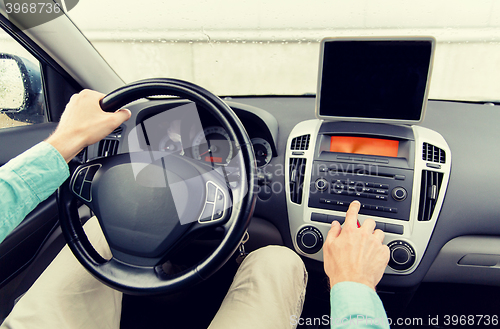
<point x="14" y="141"/>
<point x="22" y="245"/>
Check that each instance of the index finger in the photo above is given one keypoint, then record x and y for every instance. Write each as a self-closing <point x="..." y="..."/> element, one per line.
<point x="351" y="217"/>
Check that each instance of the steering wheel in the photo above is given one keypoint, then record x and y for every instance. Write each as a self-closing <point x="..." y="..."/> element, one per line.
<point x="149" y="203"/>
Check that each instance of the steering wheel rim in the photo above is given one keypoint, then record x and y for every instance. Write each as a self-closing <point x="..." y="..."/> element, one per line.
<point x="140" y="279"/>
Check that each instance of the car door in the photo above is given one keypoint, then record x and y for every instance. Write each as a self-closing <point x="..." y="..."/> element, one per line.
<point x="33" y="91"/>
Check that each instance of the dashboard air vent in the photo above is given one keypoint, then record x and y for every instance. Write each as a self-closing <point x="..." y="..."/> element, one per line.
<point x="300" y="143"/>
<point x="429" y="192"/>
<point x="117" y="131"/>
<point x="433" y="153"/>
<point x="297" y="174"/>
<point x="107" y="147"/>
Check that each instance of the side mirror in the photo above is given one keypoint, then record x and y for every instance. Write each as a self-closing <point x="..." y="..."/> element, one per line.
<point x="21" y="95"/>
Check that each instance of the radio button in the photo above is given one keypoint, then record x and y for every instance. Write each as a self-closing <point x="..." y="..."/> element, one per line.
<point x="338" y="186"/>
<point x="380" y="191"/>
<point x="380" y="197"/>
<point x="366" y="206"/>
<point x="339" y="219"/>
<point x="328" y="219"/>
<point x="318" y="217"/>
<point x="394" y="228"/>
<point x="332" y="191"/>
<point x="378" y="185"/>
<point x="390" y="209"/>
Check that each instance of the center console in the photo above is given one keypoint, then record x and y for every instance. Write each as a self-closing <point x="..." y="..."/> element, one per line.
<point x="402" y="193"/>
<point x="365" y="146"/>
<point x="381" y="178"/>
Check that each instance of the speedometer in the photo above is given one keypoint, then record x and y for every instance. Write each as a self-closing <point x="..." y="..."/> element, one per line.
<point x="213" y="145"/>
<point x="263" y="151"/>
<point x="168" y="145"/>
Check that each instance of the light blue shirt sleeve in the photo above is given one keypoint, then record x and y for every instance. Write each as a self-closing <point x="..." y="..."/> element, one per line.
<point x="355" y="305"/>
<point x="27" y="180"/>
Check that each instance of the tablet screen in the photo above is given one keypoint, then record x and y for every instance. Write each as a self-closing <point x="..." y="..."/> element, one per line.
<point x="374" y="79"/>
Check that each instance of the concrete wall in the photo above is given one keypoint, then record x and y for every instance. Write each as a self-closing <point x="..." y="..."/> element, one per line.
<point x="462" y="70"/>
<point x="271" y="46"/>
<point x="466" y="66"/>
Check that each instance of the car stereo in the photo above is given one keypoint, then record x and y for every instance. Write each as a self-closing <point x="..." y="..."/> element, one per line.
<point x="354" y="162"/>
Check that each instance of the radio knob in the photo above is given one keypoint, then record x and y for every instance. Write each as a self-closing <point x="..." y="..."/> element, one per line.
<point x="399" y="193"/>
<point x="310" y="239"/>
<point x="321" y="184"/>
<point x="402" y="255"/>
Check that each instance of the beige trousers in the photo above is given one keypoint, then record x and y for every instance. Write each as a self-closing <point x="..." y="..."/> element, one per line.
<point x="267" y="290"/>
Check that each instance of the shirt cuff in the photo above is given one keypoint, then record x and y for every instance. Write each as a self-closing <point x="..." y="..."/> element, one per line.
<point x="355" y="304"/>
<point x="42" y="168"/>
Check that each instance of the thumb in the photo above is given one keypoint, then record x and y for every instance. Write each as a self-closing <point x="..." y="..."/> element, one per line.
<point x="122" y="115"/>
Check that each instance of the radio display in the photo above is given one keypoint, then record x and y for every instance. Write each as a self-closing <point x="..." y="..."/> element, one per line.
<point x="364" y="145"/>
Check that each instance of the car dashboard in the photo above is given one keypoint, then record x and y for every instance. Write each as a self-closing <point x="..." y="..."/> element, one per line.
<point x="190" y="132"/>
<point x="432" y="198"/>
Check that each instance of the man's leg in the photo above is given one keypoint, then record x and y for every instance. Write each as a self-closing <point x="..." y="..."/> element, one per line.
<point x="267" y="291"/>
<point x="67" y="296"/>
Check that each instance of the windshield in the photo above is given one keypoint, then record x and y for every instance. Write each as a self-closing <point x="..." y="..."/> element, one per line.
<point x="271" y="47"/>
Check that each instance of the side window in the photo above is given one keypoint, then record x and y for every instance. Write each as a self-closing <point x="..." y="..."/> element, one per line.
<point x="22" y="99"/>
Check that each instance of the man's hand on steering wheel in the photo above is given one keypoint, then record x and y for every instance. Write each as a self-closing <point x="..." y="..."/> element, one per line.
<point x="84" y="123"/>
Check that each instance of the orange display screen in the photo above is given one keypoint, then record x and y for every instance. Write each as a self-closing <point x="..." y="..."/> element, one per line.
<point x="213" y="159"/>
<point x="364" y="145"/>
